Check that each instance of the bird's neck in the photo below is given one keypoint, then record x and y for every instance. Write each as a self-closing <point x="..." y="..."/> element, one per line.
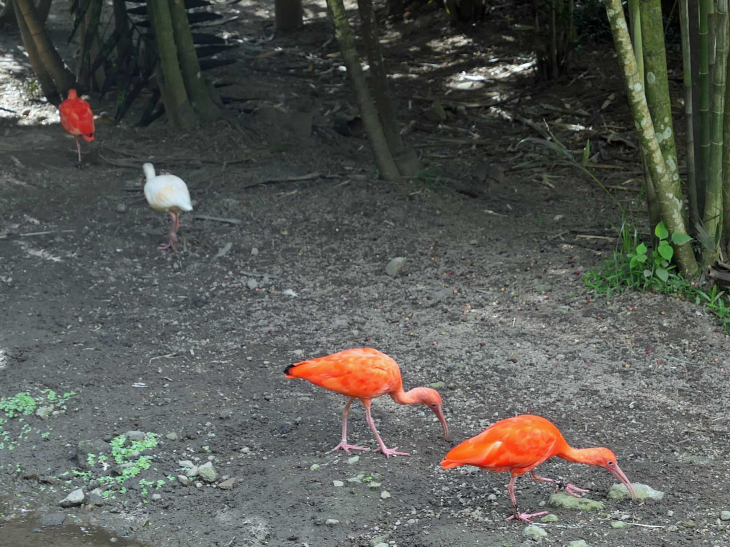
<point x="406" y="397"/>
<point x="588" y="456"/>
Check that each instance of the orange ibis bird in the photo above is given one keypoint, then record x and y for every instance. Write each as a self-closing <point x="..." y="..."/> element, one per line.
<point x="77" y="119"/>
<point x="167" y="193"/>
<point x="519" y="445"/>
<point x="365" y="374"/>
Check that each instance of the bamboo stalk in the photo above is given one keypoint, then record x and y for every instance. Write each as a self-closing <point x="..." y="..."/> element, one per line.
<point x="713" y="217"/>
<point x="705" y="6"/>
<point x="694" y="211"/>
<point x="670" y="207"/>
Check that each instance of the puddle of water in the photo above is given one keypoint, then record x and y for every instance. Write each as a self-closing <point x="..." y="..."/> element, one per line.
<point x="29" y="533"/>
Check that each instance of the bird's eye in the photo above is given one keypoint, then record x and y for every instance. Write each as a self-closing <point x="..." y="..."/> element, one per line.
<point x="610" y="463"/>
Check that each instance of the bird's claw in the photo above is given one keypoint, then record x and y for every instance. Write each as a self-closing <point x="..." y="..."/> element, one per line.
<point x="525" y="517"/>
<point x="570" y="489"/>
<point x="347" y="447"/>
<point x="391" y="452"/>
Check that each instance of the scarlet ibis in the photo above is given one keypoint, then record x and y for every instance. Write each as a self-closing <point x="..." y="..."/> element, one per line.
<point x="167" y="193"/>
<point x="77" y="119"/>
<point x="520" y="444"/>
<point x="365" y="374"/>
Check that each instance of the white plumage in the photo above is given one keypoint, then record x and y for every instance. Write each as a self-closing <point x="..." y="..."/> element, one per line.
<point x="167" y="193"/>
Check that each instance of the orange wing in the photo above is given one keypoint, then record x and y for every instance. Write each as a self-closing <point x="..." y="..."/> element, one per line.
<point x="365" y="373"/>
<point x="516" y="444"/>
<point x="77" y="118"/>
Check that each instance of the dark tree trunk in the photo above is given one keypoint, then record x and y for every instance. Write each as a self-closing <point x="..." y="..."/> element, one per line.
<point x="466" y="11"/>
<point x="175" y="97"/>
<point x="189" y="65"/>
<point x="368" y="112"/>
<point x="63" y="79"/>
<point x="289" y="15"/>
<point x="44" y="78"/>
<point x="383" y="98"/>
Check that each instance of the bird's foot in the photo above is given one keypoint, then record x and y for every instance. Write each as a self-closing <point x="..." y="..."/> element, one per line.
<point x="81" y="166"/>
<point x="347" y="447"/>
<point x="164" y="246"/>
<point x="571" y="489"/>
<point x="391" y="452"/>
<point x="525" y="517"/>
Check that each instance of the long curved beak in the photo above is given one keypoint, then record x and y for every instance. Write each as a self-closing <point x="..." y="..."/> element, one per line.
<point x="616" y="472"/>
<point x="440" y="415"/>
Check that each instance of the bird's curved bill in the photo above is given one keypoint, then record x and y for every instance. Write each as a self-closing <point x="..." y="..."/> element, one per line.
<point x="616" y="472"/>
<point x="440" y="415"/>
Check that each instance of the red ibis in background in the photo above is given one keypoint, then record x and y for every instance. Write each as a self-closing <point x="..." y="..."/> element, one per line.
<point x="77" y="118"/>
<point x="520" y="444"/>
<point x="167" y="193"/>
<point x="365" y="374"/>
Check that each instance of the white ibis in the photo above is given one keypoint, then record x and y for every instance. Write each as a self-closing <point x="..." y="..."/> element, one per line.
<point x="167" y="193"/>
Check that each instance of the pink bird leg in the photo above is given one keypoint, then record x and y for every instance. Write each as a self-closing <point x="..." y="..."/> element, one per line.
<point x="525" y="517"/>
<point x="343" y="445"/>
<point x="569" y="488"/>
<point x="384" y="449"/>
<point x="173" y="232"/>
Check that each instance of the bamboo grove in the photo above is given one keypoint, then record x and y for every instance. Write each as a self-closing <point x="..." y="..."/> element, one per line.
<point x="699" y="206"/>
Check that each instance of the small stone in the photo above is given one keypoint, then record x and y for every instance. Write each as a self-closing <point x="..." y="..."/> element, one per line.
<point x="331" y="522"/>
<point x="44" y="412"/>
<point x="437" y="385"/>
<point x="314" y="467"/>
<point x="690" y="524"/>
<point x="643" y="491"/>
<point x="172" y="436"/>
<point x="672" y="528"/>
<point x="357" y="479"/>
<point x="725" y="515"/>
<point x="187" y="464"/>
<point x="566" y="501"/>
<point x="549" y="518"/>
<point x="53" y="519"/>
<point x="619" y="524"/>
<point x="670" y="513"/>
<point x="96" y="498"/>
<point x="543" y="287"/>
<point x="385" y="495"/>
<point x="578" y="543"/>
<point x="492" y="497"/>
<point x="380" y="540"/>
<point x="74" y="499"/>
<point x="156" y="497"/>
<point x="337" y="484"/>
<point x="245" y="450"/>
<point x="228" y="484"/>
<point x="513" y="357"/>
<point x="353" y="460"/>
<point x="395" y="266"/>
<point x="135" y="436"/>
<point x="88" y="451"/>
<point x="252" y="283"/>
<point x="207" y="472"/>
<point x="473" y="242"/>
<point x="254" y="251"/>
<point x="183" y="480"/>
<point x="121" y="207"/>
<point x="374" y="484"/>
<point x="534" y="531"/>
<point x="192" y="471"/>
<point x="225" y="414"/>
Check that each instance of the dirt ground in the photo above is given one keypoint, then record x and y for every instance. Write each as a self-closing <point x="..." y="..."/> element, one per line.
<point x="191" y="345"/>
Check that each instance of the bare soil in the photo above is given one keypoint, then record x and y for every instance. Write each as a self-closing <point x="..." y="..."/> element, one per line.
<point x="492" y="304"/>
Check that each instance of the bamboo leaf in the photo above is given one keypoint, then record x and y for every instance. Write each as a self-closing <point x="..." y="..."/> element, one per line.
<point x="105" y="50"/>
<point x="586" y="153"/>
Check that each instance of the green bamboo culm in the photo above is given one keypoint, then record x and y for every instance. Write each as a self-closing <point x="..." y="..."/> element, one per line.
<point x="725" y="187"/>
<point x="657" y="89"/>
<point x="655" y="214"/>
<point x="694" y="211"/>
<point x="705" y="8"/>
<point x="671" y="207"/>
<point x="713" y="192"/>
